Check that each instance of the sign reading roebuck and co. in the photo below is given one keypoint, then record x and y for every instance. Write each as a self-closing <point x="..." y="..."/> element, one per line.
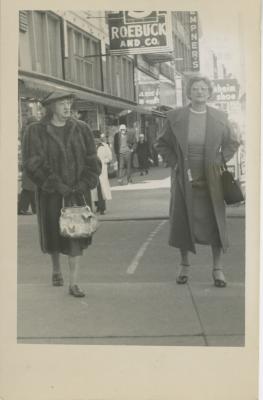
<point x="138" y="32"/>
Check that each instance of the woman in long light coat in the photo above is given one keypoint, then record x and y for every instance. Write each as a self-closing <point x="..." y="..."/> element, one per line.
<point x="193" y="141"/>
<point x="103" y="190"/>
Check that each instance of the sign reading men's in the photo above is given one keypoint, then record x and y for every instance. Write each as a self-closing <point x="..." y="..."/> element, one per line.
<point x="137" y="32"/>
<point x="194" y="40"/>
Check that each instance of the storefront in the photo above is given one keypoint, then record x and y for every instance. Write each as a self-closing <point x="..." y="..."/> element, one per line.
<point x="101" y="111"/>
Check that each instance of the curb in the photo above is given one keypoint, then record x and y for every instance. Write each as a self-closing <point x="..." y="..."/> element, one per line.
<point x="154" y="218"/>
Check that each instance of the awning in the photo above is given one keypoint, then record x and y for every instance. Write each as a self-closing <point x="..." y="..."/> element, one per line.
<point x="155" y="58"/>
<point x="35" y="89"/>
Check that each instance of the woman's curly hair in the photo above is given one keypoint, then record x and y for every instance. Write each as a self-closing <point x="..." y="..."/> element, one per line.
<point x="198" y="78"/>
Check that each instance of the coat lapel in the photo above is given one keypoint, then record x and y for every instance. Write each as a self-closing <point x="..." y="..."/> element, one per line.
<point x="212" y="138"/>
<point x="179" y="122"/>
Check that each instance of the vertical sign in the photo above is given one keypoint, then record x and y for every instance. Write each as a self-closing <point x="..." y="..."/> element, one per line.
<point x="215" y="66"/>
<point x="139" y="32"/>
<point x="194" y="40"/>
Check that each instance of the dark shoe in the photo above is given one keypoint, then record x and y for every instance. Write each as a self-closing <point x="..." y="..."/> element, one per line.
<point x="182" y="278"/>
<point x="219" y="278"/>
<point x="76" y="291"/>
<point x="141" y="173"/>
<point x="24" y="212"/>
<point x="57" y="279"/>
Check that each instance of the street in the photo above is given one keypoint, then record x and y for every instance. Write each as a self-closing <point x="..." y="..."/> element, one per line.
<point x="129" y="275"/>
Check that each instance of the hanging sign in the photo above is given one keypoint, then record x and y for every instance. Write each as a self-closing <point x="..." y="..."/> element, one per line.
<point x="194" y="41"/>
<point x="138" y="32"/>
<point x="149" y="94"/>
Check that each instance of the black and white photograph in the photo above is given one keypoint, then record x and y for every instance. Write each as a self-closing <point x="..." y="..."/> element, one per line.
<point x="132" y="122"/>
<point x="135" y="205"/>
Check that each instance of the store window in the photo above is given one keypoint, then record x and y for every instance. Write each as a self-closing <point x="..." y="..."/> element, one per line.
<point x="83" y="69"/>
<point x="45" y="43"/>
<point x="119" y="77"/>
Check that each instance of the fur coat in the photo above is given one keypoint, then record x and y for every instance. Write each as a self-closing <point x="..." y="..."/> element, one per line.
<point x="57" y="166"/>
<point x="67" y="166"/>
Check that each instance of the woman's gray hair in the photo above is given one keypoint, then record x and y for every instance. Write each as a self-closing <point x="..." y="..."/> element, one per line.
<point x="198" y="78"/>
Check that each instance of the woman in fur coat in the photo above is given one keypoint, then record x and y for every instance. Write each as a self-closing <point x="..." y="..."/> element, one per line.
<point x="59" y="156"/>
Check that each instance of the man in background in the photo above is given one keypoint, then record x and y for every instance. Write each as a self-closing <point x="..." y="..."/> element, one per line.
<point x="124" y="146"/>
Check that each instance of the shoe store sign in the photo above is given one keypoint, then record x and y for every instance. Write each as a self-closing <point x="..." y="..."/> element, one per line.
<point x="225" y="90"/>
<point x="138" y="32"/>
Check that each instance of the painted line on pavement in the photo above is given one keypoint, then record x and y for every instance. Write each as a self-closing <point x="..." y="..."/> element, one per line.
<point x="135" y="262"/>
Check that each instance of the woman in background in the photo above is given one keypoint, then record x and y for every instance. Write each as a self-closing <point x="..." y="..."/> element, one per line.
<point x="103" y="190"/>
<point x="143" y="155"/>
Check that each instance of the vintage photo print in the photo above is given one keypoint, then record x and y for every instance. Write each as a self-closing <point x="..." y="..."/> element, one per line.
<point x="164" y="97"/>
<point x="132" y="154"/>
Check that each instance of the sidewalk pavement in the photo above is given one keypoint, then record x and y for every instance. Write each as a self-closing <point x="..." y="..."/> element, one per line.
<point x="145" y="307"/>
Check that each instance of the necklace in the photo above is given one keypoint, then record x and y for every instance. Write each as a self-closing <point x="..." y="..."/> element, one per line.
<point x="197" y="112"/>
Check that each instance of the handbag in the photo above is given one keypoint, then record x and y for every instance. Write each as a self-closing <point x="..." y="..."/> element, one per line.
<point x="77" y="221"/>
<point x="231" y="187"/>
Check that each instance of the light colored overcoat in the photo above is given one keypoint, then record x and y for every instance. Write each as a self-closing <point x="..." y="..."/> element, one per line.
<point x="105" y="155"/>
<point x="172" y="144"/>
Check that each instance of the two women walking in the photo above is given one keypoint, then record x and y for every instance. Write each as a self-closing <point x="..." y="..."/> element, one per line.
<point x="61" y="158"/>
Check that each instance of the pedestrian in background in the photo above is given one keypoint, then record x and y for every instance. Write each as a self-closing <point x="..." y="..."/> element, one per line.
<point x="143" y="155"/>
<point x="124" y="146"/>
<point x="27" y="194"/>
<point x="193" y="141"/>
<point x="103" y="191"/>
<point x="59" y="155"/>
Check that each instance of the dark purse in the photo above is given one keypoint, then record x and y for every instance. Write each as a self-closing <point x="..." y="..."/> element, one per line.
<point x="231" y="187"/>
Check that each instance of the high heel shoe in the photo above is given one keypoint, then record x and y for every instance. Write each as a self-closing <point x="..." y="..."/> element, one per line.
<point x="75" y="291"/>
<point x="57" y="279"/>
<point x="182" y="277"/>
<point x="219" y="278"/>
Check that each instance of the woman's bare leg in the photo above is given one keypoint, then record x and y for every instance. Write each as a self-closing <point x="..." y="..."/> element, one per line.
<point x="184" y="268"/>
<point x="74" y="290"/>
<point x="57" y="278"/>
<point x="218" y="274"/>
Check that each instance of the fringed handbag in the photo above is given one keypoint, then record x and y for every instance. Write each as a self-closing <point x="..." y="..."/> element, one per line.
<point x="77" y="221"/>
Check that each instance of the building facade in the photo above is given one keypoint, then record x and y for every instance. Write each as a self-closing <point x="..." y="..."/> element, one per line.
<point x="70" y="50"/>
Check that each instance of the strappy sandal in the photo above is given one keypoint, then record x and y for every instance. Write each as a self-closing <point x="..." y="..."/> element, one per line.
<point x="57" y="279"/>
<point x="75" y="291"/>
<point x="219" y="278"/>
<point x="182" y="278"/>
